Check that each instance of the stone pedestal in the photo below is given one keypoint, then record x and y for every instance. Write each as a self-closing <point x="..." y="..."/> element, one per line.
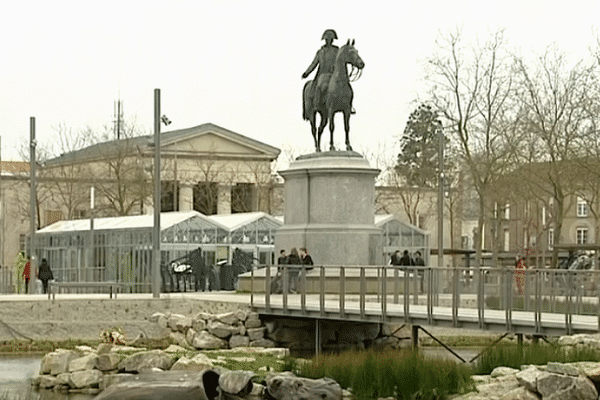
<point x="329" y="209"/>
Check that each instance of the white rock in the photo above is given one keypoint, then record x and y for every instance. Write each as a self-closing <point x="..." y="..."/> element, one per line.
<point x="502" y="371"/>
<point x="529" y="377"/>
<point x="147" y="360"/>
<point x="86" y="379"/>
<point x="222" y="330"/>
<point x="174" y="349"/>
<point x="239" y="341"/>
<point x="89" y="361"/>
<point x="549" y="383"/>
<point x="205" y="340"/>
<point x="192" y="364"/>
<point x="173" y="319"/>
<point x="154" y="317"/>
<point x="109" y="361"/>
<point x="228" y="318"/>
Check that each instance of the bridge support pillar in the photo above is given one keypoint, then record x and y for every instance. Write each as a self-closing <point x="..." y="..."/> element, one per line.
<point x="414" y="336"/>
<point x="520" y="340"/>
<point x="317" y="338"/>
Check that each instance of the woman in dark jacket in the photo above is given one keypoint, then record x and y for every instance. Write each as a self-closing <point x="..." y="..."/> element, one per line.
<point x="45" y="274"/>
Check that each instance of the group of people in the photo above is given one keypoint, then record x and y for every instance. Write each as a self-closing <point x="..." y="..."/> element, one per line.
<point x="406" y="260"/>
<point x="294" y="258"/>
<point x="44" y="274"/>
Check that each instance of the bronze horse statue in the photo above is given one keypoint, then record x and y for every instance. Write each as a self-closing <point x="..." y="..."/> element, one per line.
<point x="338" y="97"/>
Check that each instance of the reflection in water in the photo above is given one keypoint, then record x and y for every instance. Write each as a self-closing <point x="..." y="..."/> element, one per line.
<point x="15" y="380"/>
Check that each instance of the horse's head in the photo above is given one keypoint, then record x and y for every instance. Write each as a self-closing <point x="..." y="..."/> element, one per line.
<point x="349" y="54"/>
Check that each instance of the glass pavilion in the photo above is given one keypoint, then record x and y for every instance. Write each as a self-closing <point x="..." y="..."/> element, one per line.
<point x="398" y="235"/>
<point x="120" y="248"/>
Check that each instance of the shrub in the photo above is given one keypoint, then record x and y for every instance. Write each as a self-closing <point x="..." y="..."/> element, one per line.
<point x="400" y="374"/>
<point x="513" y="356"/>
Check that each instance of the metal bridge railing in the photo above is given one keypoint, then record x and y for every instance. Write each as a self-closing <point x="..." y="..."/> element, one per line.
<point x="390" y="288"/>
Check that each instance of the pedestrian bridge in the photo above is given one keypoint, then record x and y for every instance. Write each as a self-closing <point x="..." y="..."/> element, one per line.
<point x="535" y="301"/>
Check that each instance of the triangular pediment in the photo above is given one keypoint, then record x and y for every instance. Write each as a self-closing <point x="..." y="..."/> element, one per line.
<point x="212" y="139"/>
<point x="210" y="142"/>
<point x="202" y="140"/>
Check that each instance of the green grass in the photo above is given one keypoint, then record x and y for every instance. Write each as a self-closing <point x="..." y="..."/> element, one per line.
<point x="17" y="346"/>
<point x="268" y="362"/>
<point x="400" y="374"/>
<point x="541" y="354"/>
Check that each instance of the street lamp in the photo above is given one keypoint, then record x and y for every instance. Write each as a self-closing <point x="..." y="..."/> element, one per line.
<point x="32" y="214"/>
<point x="156" y="256"/>
<point x="157" y="204"/>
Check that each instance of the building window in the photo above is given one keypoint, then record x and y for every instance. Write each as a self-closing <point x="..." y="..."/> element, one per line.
<point x="206" y="197"/>
<point x="582" y="207"/>
<point x="543" y="215"/>
<point x="582" y="235"/>
<point x="506" y="240"/>
<point x="550" y="238"/>
<point x="466" y="242"/>
<point x="53" y="216"/>
<point x="22" y="242"/>
<point x="241" y="197"/>
<point x="507" y="211"/>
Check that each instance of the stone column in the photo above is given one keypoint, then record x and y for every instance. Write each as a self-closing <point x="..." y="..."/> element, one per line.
<point x="223" y="199"/>
<point x="186" y="196"/>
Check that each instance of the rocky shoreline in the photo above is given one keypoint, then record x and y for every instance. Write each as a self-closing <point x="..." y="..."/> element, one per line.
<point x="117" y="362"/>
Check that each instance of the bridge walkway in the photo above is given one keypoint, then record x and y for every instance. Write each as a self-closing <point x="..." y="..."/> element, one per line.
<point x="540" y="302"/>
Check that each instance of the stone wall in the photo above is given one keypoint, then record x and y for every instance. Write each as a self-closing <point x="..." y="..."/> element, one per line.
<point x="86" y="318"/>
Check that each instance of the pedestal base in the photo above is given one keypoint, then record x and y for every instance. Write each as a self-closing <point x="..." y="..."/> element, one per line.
<point x="329" y="200"/>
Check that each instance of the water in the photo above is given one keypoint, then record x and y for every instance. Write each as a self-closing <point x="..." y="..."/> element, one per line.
<point x="15" y="380"/>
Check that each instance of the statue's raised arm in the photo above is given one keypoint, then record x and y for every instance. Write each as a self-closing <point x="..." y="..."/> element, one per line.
<point x="330" y="91"/>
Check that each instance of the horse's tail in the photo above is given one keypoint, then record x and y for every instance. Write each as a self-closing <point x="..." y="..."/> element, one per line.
<point x="306" y="101"/>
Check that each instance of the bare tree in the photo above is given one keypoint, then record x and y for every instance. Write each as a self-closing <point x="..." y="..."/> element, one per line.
<point x="473" y="94"/>
<point x="555" y="99"/>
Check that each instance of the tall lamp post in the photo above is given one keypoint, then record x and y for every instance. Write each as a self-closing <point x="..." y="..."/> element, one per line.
<point x="32" y="213"/>
<point x="92" y="247"/>
<point x="441" y="200"/>
<point x="157" y="200"/>
<point x="156" y="256"/>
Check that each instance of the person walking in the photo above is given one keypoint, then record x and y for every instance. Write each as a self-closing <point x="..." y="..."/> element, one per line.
<point x="293" y="259"/>
<point x="277" y="281"/>
<point x="419" y="262"/>
<point x="27" y="274"/>
<point x="520" y="274"/>
<point x="45" y="274"/>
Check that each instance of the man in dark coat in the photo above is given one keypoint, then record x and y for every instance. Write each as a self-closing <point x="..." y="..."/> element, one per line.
<point x="305" y="258"/>
<point x="406" y="260"/>
<point x="45" y="274"/>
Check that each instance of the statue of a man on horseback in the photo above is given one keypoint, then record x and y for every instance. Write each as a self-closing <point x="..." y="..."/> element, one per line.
<point x="325" y="60"/>
<point x="330" y="91"/>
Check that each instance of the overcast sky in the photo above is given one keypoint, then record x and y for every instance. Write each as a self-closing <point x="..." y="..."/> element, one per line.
<point x="238" y="64"/>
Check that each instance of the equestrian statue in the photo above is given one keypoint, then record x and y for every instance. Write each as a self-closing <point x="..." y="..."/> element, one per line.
<point x="330" y="91"/>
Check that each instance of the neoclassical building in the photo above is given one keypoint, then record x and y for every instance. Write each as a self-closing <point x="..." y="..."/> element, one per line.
<point x="205" y="168"/>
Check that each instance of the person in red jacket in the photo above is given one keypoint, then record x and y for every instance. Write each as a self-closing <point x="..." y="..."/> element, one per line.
<point x="520" y="274"/>
<point x="27" y="273"/>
